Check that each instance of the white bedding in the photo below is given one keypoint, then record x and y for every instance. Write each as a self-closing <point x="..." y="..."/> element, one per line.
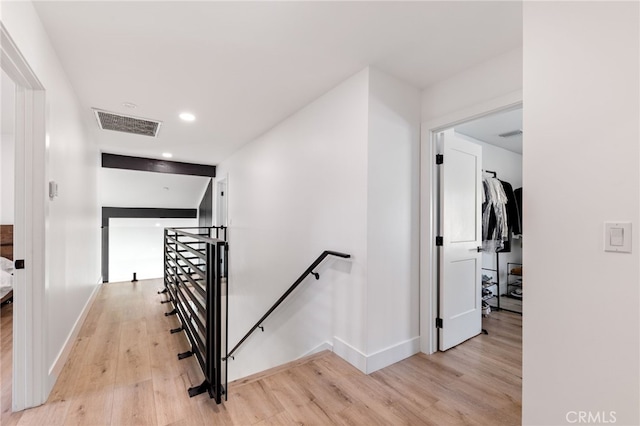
<point x="6" y="265"/>
<point x="6" y="279"/>
<point x="6" y="283"/>
<point x="6" y="276"/>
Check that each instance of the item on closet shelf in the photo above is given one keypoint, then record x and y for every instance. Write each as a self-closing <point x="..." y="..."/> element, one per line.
<point x="486" y="309"/>
<point x="516" y="271"/>
<point x="486" y="279"/>
<point x="486" y="294"/>
<point x="517" y="293"/>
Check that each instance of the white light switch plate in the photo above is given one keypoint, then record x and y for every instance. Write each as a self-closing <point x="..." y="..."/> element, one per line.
<point x="617" y="237"/>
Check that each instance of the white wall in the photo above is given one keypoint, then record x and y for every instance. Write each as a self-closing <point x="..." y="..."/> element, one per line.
<point x="72" y="223"/>
<point x="507" y="164"/>
<point x="581" y="162"/>
<point x="494" y="78"/>
<point x="295" y="191"/>
<point x="341" y="174"/>
<point x="137" y="245"/>
<point x="393" y="236"/>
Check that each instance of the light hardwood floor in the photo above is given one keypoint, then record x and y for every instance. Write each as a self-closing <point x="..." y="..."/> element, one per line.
<point x="123" y="370"/>
<point x="6" y="346"/>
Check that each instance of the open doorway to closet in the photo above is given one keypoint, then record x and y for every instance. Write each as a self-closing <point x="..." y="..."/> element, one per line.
<point x="478" y="223"/>
<point x="500" y="136"/>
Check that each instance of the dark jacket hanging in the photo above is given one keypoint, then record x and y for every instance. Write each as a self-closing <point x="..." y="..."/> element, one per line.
<point x="518" y="195"/>
<point x="513" y="216"/>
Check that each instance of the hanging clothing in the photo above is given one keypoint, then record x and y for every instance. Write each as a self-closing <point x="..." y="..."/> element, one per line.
<point x="501" y="216"/>
<point x="513" y="215"/>
<point x="495" y="229"/>
<point x="518" y="194"/>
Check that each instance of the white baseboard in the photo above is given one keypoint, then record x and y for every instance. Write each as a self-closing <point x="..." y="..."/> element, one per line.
<point x="61" y="359"/>
<point x="383" y="358"/>
<point x="325" y="346"/>
<point x="350" y="354"/>
<point x="392" y="354"/>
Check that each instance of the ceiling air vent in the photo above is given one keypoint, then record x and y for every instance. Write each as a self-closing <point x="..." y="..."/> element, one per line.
<point x="511" y="133"/>
<point x="127" y="124"/>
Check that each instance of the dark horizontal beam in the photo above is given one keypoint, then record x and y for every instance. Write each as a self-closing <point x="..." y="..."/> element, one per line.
<point x="115" y="161"/>
<point x="136" y="213"/>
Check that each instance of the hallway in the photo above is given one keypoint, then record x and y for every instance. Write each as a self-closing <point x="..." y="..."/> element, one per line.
<point x="123" y="370"/>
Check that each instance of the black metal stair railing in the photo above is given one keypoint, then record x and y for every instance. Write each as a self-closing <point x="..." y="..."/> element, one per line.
<point x="195" y="271"/>
<point x="309" y="271"/>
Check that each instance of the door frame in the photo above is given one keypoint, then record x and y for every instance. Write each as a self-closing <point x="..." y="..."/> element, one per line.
<point x="29" y="384"/>
<point x="222" y="182"/>
<point x="429" y="207"/>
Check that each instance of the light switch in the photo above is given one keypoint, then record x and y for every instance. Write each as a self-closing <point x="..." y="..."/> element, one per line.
<point x="53" y="190"/>
<point x="617" y="237"/>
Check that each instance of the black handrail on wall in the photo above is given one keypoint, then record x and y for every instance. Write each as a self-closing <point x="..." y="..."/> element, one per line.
<point x="304" y="275"/>
<point x="195" y="270"/>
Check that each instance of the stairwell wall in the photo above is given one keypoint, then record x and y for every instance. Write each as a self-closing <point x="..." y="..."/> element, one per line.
<point x="297" y="190"/>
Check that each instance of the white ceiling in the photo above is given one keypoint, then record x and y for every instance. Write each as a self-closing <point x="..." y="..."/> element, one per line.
<point x="242" y="67"/>
<point x="488" y="128"/>
<point x="130" y="188"/>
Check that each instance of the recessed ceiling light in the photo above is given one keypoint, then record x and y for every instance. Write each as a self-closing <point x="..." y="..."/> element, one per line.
<point x="167" y="154"/>
<point x="129" y="105"/>
<point x="157" y="224"/>
<point x="187" y="116"/>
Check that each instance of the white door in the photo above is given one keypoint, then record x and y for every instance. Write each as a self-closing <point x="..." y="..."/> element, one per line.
<point x="460" y="285"/>
<point x="222" y="195"/>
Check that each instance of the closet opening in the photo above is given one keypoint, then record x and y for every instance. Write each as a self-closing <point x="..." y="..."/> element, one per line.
<point x="500" y="136"/>
<point x="473" y="244"/>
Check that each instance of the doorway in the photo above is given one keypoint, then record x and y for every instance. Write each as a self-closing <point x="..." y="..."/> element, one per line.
<point x="29" y="374"/>
<point x="471" y="127"/>
<point x="480" y="262"/>
<point x="500" y="136"/>
<point x="7" y="213"/>
<point x="222" y="195"/>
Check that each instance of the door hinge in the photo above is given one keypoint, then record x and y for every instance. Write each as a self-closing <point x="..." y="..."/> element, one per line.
<point x="439" y="159"/>
<point x="438" y="322"/>
<point x="439" y="241"/>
